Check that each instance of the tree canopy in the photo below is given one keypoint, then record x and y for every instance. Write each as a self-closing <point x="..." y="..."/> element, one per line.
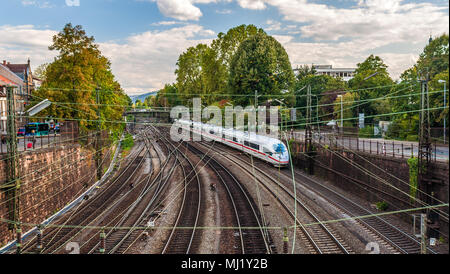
<point x="260" y="64"/>
<point x="74" y="76"/>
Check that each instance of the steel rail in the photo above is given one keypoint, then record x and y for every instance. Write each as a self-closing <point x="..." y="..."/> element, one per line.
<point x="285" y="190"/>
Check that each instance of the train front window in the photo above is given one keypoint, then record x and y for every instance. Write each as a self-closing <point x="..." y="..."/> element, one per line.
<point x="279" y="148"/>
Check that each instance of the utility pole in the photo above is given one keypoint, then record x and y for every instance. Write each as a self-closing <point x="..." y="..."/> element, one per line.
<point x="308" y="133"/>
<point x="12" y="185"/>
<point x="445" y="105"/>
<point x="98" y="142"/>
<point x="424" y="137"/>
<point x="424" y="180"/>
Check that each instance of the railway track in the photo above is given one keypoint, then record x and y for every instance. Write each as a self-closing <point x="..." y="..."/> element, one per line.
<point x="124" y="233"/>
<point x="253" y="238"/>
<point x="322" y="238"/>
<point x="54" y="236"/>
<point x="184" y="232"/>
<point x="385" y="232"/>
<point x="393" y="238"/>
<point x="111" y="203"/>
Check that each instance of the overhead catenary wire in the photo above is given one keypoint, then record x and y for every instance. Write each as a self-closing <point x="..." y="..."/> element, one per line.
<point x="41" y="168"/>
<point x="320" y="105"/>
<point x="376" y="177"/>
<point x="51" y="180"/>
<point x="25" y="224"/>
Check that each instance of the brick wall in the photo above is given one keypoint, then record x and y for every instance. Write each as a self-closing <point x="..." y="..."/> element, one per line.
<point x="51" y="179"/>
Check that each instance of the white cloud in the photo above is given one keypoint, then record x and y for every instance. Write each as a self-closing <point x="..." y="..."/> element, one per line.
<point x="224" y="11"/>
<point x="38" y="3"/>
<point x="368" y="26"/>
<point x="166" y="23"/>
<point x="181" y="9"/>
<point x="252" y="4"/>
<point x="273" y="25"/>
<point x="19" y="43"/>
<point x="147" y="61"/>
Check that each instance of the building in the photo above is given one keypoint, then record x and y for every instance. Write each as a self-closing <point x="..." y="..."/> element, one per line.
<point x="24" y="72"/>
<point x="344" y="73"/>
<point x="10" y="79"/>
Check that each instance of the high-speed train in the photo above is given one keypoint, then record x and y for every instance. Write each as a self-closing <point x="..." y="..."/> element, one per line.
<point x="268" y="149"/>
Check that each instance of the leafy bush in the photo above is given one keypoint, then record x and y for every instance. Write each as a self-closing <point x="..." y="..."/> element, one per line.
<point x="383" y="206"/>
<point x="412" y="138"/>
<point x="127" y="142"/>
<point x="413" y="164"/>
<point x="366" y="132"/>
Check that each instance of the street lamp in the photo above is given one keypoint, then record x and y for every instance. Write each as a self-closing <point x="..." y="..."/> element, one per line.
<point x="445" y="102"/>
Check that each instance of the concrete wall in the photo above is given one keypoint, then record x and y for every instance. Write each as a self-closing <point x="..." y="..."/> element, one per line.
<point x="339" y="169"/>
<point x="51" y="179"/>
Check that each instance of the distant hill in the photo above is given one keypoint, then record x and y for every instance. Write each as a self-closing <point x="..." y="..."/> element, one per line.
<point x="142" y="97"/>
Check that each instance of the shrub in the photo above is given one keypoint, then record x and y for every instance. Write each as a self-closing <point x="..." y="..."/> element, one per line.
<point x="383" y="206"/>
<point x="412" y="138"/>
<point x="366" y="132"/>
<point x="413" y="164"/>
<point x="127" y="142"/>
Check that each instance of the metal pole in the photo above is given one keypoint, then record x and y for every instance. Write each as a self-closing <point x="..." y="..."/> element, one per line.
<point x="445" y="104"/>
<point x="102" y="242"/>
<point x="39" y="239"/>
<point x="12" y="182"/>
<point x="423" y="230"/>
<point x="285" y="241"/>
<point x="19" y="239"/>
<point x="99" y="136"/>
<point x="342" y="114"/>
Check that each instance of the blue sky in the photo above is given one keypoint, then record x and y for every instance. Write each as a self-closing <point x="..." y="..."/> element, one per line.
<point x="143" y="38"/>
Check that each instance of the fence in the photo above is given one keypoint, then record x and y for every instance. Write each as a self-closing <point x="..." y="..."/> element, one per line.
<point x="68" y="133"/>
<point x="382" y="147"/>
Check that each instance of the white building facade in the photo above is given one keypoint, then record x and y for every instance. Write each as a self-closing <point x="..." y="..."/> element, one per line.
<point x="344" y="73"/>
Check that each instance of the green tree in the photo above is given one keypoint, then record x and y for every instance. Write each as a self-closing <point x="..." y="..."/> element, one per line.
<point x="260" y="64"/>
<point x="347" y="101"/>
<point x="73" y="77"/>
<point x="371" y="81"/>
<point x="304" y="71"/>
<point x="324" y="89"/>
<point x="434" y="58"/>
<point x="203" y="71"/>
<point x="166" y="97"/>
<point x="190" y="75"/>
<point x="39" y="72"/>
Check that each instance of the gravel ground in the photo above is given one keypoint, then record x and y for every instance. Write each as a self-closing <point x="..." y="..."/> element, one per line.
<point x="210" y="237"/>
<point x="274" y="214"/>
<point x="158" y="236"/>
<point x="393" y="219"/>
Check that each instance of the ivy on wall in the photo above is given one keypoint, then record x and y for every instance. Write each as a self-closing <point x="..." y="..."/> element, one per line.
<point x="413" y="164"/>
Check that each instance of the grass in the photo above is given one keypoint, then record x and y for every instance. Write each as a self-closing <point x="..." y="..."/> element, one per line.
<point x="127" y="144"/>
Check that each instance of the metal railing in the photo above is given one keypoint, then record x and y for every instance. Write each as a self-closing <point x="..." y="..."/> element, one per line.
<point x="388" y="148"/>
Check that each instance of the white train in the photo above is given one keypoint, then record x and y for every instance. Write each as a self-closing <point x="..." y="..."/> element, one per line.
<point x="268" y="149"/>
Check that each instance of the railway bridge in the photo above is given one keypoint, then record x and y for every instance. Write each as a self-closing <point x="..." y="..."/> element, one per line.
<point x="139" y="118"/>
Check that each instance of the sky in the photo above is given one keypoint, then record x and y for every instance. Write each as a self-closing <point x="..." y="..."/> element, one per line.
<point x="144" y="38"/>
